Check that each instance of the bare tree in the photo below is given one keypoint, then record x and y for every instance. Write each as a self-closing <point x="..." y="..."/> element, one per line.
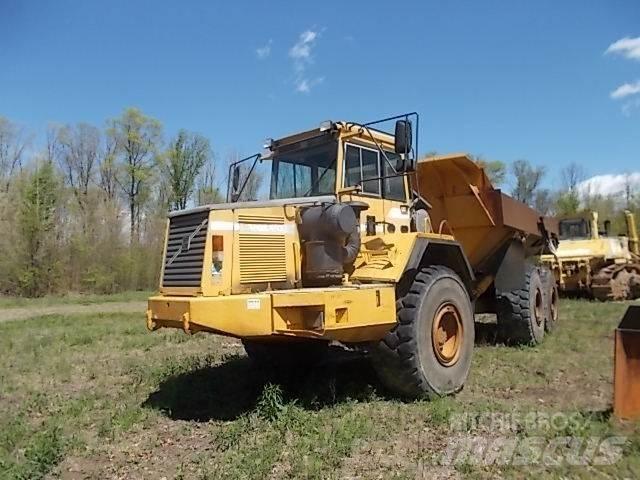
<point x="52" y="151"/>
<point x="572" y="175"/>
<point x="544" y="201"/>
<point x="79" y="150"/>
<point x="208" y="188"/>
<point x="527" y="178"/>
<point x="137" y="139"/>
<point x="568" y="201"/>
<point x="251" y="181"/>
<point x="187" y="154"/>
<point x="107" y="169"/>
<point x="13" y="142"/>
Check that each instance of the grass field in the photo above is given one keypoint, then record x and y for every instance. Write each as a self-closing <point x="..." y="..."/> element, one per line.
<point x="100" y="397"/>
<point x="72" y="299"/>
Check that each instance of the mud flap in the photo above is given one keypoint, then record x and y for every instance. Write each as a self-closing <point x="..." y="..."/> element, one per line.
<point x="510" y="275"/>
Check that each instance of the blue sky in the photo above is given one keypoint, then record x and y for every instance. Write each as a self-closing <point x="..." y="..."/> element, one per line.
<point x="508" y="80"/>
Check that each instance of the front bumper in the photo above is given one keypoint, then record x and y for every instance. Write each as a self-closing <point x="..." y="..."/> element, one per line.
<point x="349" y="314"/>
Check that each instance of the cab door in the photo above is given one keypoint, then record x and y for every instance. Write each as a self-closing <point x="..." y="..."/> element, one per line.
<point x="384" y="192"/>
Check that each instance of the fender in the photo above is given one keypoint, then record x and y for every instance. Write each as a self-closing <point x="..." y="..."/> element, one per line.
<point x="449" y="253"/>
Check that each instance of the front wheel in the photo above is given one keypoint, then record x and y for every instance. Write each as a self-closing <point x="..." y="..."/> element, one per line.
<point x="428" y="352"/>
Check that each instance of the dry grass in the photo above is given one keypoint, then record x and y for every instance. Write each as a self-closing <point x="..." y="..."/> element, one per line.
<point x="100" y="397"/>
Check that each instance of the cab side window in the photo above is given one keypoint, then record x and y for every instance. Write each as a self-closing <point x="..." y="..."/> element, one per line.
<point x="393" y="184"/>
<point x="352" y="169"/>
<point x="362" y="167"/>
<point x="365" y="167"/>
<point x="370" y="170"/>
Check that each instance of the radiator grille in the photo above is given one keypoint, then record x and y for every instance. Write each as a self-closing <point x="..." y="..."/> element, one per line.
<point x="261" y="219"/>
<point x="184" y="257"/>
<point x="262" y="255"/>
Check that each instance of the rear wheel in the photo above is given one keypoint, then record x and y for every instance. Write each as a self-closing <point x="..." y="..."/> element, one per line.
<point x="522" y="313"/>
<point x="428" y="353"/>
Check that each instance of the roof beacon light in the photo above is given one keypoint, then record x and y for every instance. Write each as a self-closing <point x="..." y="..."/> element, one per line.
<point x="268" y="144"/>
<point x="326" y="125"/>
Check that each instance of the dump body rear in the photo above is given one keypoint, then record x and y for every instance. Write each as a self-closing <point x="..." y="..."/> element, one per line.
<point x="481" y="218"/>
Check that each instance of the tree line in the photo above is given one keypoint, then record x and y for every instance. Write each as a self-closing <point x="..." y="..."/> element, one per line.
<point x="84" y="208"/>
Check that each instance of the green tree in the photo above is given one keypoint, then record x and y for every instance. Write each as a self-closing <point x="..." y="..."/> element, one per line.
<point x="183" y="161"/>
<point x="496" y="170"/>
<point x="137" y="138"/>
<point x="36" y="224"/>
<point x="527" y="181"/>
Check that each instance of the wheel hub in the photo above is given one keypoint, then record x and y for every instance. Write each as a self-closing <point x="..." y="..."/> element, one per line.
<point x="447" y="334"/>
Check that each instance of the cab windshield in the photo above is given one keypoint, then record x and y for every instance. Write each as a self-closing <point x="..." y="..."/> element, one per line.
<point x="304" y="169"/>
<point x="574" y="228"/>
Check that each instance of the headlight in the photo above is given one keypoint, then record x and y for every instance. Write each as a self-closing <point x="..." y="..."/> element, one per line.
<point x="217" y="258"/>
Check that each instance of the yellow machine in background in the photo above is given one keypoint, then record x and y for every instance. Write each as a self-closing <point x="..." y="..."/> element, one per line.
<point x="591" y="261"/>
<point x="358" y="244"/>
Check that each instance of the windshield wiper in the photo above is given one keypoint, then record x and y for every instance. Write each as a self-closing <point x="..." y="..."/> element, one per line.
<point x="319" y="179"/>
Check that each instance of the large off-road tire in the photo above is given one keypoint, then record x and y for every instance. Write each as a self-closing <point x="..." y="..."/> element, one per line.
<point x="428" y="352"/>
<point x="286" y="353"/>
<point x="522" y="313"/>
<point x="551" y="301"/>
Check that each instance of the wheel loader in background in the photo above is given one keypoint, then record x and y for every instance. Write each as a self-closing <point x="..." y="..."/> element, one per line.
<point x="590" y="261"/>
<point x="358" y="244"/>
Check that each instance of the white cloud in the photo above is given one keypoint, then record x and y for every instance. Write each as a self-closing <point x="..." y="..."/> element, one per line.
<point x="610" y="184"/>
<point x="304" y="85"/>
<point x="625" y="90"/>
<point x="627" y="47"/>
<point x="264" y="51"/>
<point x="302" y="55"/>
<point x="301" y="50"/>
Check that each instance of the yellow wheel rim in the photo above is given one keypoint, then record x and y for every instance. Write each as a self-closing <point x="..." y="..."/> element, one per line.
<point x="554" y="305"/>
<point x="538" y="310"/>
<point x="446" y="335"/>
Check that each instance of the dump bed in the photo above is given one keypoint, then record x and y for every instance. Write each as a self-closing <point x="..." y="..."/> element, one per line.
<point x="465" y="204"/>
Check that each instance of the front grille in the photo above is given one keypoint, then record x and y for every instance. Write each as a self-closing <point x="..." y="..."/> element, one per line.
<point x="262" y="249"/>
<point x="184" y="257"/>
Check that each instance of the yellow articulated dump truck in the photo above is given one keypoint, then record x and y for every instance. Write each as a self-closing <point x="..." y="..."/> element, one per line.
<point x="591" y="261"/>
<point x="357" y="243"/>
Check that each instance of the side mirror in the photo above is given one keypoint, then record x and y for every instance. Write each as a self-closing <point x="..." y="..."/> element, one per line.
<point x="405" y="165"/>
<point x="235" y="179"/>
<point x="404" y="137"/>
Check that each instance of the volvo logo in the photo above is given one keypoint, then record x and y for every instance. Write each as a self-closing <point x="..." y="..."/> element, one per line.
<point x="185" y="244"/>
